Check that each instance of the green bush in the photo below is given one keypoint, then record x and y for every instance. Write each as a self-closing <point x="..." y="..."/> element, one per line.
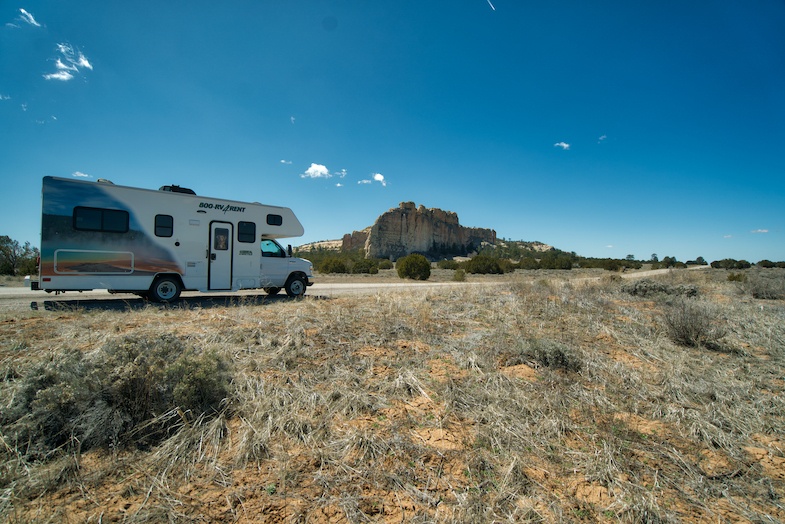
<point x="483" y="265"/>
<point x="447" y="264"/>
<point x="365" y="266"/>
<point x="529" y="263"/>
<point x="413" y="266"/>
<point x="332" y="265"/>
<point x="385" y="264"/>
<point x="459" y="275"/>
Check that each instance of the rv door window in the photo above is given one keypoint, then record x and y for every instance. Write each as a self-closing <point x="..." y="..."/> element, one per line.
<point x="96" y="219"/>
<point x="246" y="232"/>
<point x="221" y="239"/>
<point x="164" y="225"/>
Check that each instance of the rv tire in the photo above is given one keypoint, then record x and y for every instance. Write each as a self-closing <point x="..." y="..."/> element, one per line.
<point x="165" y="289"/>
<point x="296" y="285"/>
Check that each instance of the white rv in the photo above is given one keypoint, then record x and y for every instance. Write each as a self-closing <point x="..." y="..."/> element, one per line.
<point x="97" y="235"/>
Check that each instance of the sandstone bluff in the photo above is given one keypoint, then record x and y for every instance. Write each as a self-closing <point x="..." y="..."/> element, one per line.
<point x="412" y="229"/>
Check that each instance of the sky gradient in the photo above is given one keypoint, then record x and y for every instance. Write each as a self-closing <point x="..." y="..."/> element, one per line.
<point x="605" y="128"/>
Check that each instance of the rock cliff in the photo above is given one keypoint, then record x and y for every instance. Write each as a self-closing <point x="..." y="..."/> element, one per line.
<point x="411" y="229"/>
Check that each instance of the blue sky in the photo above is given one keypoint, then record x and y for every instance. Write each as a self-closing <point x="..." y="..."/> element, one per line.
<point x="606" y="128"/>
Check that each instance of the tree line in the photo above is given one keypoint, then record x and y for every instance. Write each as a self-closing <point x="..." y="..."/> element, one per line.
<point x="16" y="258"/>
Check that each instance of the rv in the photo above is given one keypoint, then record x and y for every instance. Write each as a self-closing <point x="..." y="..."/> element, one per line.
<point x="98" y="235"/>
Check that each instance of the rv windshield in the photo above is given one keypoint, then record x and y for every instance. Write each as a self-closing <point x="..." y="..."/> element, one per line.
<point x="270" y="248"/>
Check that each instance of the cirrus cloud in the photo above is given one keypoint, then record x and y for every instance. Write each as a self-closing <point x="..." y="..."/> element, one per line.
<point x="70" y="62"/>
<point x="564" y="145"/>
<point x="28" y="18"/>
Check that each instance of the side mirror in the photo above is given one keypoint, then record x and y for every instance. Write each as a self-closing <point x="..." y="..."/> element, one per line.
<point x="289" y="250"/>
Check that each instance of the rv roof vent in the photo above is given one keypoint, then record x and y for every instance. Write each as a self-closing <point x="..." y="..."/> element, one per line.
<point x="104" y="181"/>
<point x="177" y="189"/>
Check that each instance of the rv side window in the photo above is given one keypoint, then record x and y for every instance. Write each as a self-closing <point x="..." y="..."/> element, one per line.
<point x="95" y="219"/>
<point x="246" y="232"/>
<point x="164" y="225"/>
<point x="274" y="220"/>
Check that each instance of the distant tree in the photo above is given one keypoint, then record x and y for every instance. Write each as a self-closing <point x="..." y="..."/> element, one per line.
<point x="766" y="264"/>
<point x="16" y="259"/>
<point x="654" y="258"/>
<point x="529" y="263"/>
<point x="630" y="258"/>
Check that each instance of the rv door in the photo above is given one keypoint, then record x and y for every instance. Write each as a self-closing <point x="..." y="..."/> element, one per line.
<point x="220" y="255"/>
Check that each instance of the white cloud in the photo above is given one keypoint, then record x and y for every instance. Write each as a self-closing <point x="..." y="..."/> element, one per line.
<point x="755" y="231"/>
<point x="609" y="246"/>
<point x="316" y="171"/>
<point x="728" y="236"/>
<point x="287" y="162"/>
<point x="602" y="139"/>
<point x="71" y="61"/>
<point x="28" y="18"/>
<point x="80" y="174"/>
<point x="564" y="145"/>
<point x="63" y="76"/>
<point x="292" y="119"/>
<point x="338" y="185"/>
<point x="376" y="177"/>
<point x="340" y="174"/>
<point x="5" y="97"/>
<point x="82" y="61"/>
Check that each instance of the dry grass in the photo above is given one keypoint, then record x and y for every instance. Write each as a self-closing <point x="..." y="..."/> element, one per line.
<point x="544" y="401"/>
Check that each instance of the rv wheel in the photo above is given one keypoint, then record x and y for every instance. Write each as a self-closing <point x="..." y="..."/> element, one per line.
<point x="295" y="286"/>
<point x="165" y="289"/>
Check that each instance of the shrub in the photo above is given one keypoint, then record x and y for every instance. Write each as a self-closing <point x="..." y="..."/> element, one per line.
<point x="447" y="264"/>
<point x="693" y="324"/>
<point x="459" y="275"/>
<point x="385" y="264"/>
<point x="766" y="286"/>
<point x="117" y="396"/>
<point x="737" y="277"/>
<point x="550" y="354"/>
<point x="414" y="266"/>
<point x="529" y="263"/>
<point x="646" y="288"/>
<point x="332" y="265"/>
<point x="365" y="266"/>
<point x="483" y="265"/>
